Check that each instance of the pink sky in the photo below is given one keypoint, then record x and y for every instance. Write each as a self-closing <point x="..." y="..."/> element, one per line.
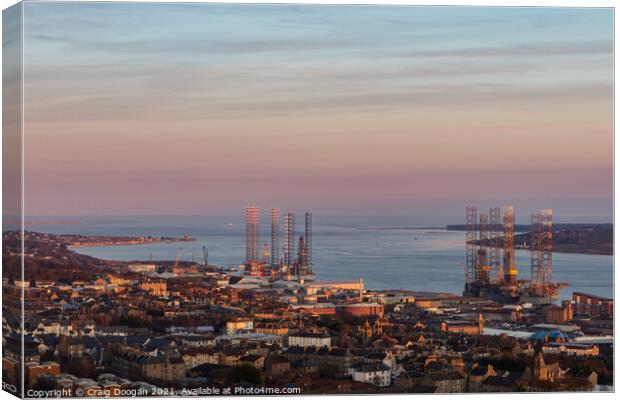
<point x="366" y="124"/>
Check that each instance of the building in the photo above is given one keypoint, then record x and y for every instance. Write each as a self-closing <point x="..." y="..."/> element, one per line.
<point x="142" y="268"/>
<point x="568" y="329"/>
<point x="272" y="329"/>
<point x="239" y="325"/>
<point x="136" y="365"/>
<point x="592" y="305"/>
<point x="70" y="347"/>
<point x="16" y="351"/>
<point x="116" y="280"/>
<point x="507" y="313"/>
<point x="560" y="314"/>
<point x="34" y="370"/>
<point x="164" y="369"/>
<point x="334" y="359"/>
<point x="375" y="373"/>
<point x="194" y="357"/>
<point x="197" y="341"/>
<point x="364" y="309"/>
<point x="230" y="357"/>
<point x="335" y="286"/>
<point x="255" y="360"/>
<point x="477" y="375"/>
<point x="304" y="339"/>
<point x="408" y="379"/>
<point x="507" y="382"/>
<point x="465" y="327"/>
<point x="180" y="270"/>
<point x="53" y="327"/>
<point x="554" y="336"/>
<point x="571" y="349"/>
<point x="277" y="365"/>
<point x="316" y="309"/>
<point x="543" y="371"/>
<point x="445" y="381"/>
<point x="157" y="288"/>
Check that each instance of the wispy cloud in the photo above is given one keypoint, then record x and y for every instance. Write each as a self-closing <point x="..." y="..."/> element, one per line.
<point x="524" y="50"/>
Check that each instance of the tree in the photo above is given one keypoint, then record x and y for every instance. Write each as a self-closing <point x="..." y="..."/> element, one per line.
<point x="377" y="381"/>
<point x="82" y="366"/>
<point x="327" y="370"/>
<point x="244" y="374"/>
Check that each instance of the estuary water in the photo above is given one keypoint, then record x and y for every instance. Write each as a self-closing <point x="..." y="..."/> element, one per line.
<point x="388" y="253"/>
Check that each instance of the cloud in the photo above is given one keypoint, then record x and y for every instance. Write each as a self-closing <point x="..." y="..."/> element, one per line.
<point x="205" y="45"/>
<point x="174" y="106"/>
<point x="523" y="50"/>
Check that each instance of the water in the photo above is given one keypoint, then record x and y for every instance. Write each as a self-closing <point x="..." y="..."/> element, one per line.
<point x="379" y="250"/>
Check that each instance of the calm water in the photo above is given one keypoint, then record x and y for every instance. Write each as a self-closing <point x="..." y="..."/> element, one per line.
<point x="379" y="250"/>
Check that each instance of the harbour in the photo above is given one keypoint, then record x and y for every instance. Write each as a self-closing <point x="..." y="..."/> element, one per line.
<point x="384" y="258"/>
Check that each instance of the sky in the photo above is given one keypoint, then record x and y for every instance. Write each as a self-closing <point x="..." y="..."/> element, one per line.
<point x="344" y="110"/>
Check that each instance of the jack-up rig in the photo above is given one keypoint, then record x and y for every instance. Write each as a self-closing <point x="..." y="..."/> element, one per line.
<point x="486" y="275"/>
<point x="292" y="265"/>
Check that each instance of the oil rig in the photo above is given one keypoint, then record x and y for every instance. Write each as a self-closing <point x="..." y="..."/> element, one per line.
<point x="488" y="274"/>
<point x="293" y="265"/>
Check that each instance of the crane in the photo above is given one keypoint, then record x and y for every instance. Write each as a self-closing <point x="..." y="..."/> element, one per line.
<point x="179" y="252"/>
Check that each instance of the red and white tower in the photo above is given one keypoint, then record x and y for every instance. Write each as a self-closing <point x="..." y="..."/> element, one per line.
<point x="252" y="227"/>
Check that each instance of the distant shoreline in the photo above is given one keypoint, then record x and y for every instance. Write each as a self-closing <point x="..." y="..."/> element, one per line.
<point x="587" y="239"/>
<point x="128" y="243"/>
<point x="78" y="241"/>
<point x="51" y="222"/>
<point x="404" y="228"/>
<point x="526" y="227"/>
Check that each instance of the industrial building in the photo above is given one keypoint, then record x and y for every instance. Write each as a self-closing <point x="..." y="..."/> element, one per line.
<point x="593" y="306"/>
<point x="364" y="309"/>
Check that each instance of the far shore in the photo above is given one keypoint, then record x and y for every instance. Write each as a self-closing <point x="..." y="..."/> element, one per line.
<point x="128" y="242"/>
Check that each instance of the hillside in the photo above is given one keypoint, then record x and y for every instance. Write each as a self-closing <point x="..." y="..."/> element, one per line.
<point x="582" y="240"/>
